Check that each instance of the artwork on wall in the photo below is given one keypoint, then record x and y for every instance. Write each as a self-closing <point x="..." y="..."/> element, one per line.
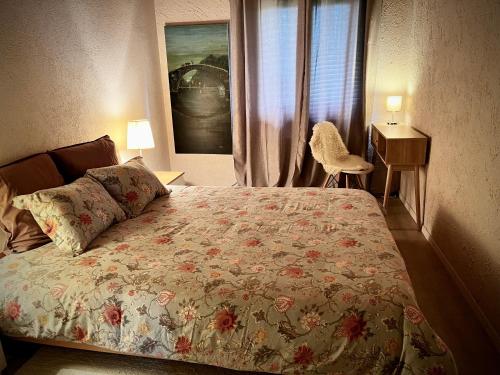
<point x="198" y="75"/>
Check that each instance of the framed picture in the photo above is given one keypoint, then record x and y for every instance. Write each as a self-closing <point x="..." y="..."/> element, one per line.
<point x="198" y="76"/>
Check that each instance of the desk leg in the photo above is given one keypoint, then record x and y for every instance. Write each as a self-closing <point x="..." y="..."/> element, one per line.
<point x="3" y="362"/>
<point x="388" y="182"/>
<point x="417" y="196"/>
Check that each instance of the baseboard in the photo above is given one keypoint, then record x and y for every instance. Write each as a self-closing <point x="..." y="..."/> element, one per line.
<point x="462" y="287"/>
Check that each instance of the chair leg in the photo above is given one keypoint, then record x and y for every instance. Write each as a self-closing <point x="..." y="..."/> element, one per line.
<point x="358" y="178"/>
<point x="346" y="181"/>
<point x="336" y="180"/>
<point x="327" y="179"/>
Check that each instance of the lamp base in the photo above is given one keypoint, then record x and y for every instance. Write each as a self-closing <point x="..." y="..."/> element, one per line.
<point x="391" y="123"/>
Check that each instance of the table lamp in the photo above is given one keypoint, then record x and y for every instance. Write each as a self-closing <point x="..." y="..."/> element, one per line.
<point x="139" y="135"/>
<point x="393" y="104"/>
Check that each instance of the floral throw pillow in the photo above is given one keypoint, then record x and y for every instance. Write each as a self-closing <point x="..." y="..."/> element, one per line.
<point x="131" y="184"/>
<point x="72" y="215"/>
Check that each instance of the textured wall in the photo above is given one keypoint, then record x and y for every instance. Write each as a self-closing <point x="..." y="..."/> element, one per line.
<point x="447" y="67"/>
<point x="388" y="57"/>
<point x="199" y="169"/>
<point x="72" y="71"/>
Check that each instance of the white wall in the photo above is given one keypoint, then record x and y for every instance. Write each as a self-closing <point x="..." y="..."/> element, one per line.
<point x="199" y="169"/>
<point x="72" y="71"/>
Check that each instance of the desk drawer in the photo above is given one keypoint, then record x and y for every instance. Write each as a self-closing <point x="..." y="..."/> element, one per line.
<point x="406" y="151"/>
<point x="379" y="142"/>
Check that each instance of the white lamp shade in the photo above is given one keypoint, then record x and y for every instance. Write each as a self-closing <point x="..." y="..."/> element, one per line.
<point x="394" y="103"/>
<point x="139" y="135"/>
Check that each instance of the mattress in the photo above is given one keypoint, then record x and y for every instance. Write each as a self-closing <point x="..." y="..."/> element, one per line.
<point x="280" y="280"/>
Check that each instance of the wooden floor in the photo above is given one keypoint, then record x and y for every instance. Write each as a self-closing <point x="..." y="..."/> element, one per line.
<point x="437" y="295"/>
<point x="439" y="298"/>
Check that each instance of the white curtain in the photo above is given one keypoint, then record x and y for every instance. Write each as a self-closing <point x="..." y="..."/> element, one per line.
<point x="277" y="66"/>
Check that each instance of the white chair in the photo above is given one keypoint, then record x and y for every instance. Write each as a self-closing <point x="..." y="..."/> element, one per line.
<point x="328" y="149"/>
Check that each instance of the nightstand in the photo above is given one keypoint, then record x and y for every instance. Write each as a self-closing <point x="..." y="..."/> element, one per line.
<point x="167" y="177"/>
<point x="401" y="148"/>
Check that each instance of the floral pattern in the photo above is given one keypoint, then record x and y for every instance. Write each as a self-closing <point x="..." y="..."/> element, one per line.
<point x="131" y="184"/>
<point x="72" y="215"/>
<point x="277" y="280"/>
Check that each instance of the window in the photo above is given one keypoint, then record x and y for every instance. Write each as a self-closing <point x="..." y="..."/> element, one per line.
<point x="336" y="83"/>
<point x="335" y="60"/>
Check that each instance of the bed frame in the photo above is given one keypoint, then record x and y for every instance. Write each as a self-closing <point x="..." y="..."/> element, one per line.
<point x="75" y="345"/>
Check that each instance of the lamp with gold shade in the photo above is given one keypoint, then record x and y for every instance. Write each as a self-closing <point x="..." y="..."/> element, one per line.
<point x="139" y="135"/>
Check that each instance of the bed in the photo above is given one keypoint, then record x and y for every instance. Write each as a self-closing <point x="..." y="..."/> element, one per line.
<point x="280" y="280"/>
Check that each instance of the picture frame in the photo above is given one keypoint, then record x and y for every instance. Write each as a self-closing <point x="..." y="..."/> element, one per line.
<point x="198" y="63"/>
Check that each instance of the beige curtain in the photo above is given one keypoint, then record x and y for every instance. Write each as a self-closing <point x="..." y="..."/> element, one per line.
<point x="282" y="81"/>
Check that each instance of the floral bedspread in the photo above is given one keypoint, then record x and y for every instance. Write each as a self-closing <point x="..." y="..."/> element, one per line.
<point x="260" y="279"/>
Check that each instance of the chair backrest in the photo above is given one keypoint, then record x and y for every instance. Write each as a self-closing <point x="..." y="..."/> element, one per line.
<point x="326" y="144"/>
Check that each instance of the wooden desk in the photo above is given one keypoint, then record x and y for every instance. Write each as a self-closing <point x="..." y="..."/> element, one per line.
<point x="167" y="177"/>
<point x="401" y="148"/>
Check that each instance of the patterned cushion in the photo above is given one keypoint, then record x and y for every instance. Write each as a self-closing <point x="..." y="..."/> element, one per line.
<point x="131" y="184"/>
<point x="72" y="215"/>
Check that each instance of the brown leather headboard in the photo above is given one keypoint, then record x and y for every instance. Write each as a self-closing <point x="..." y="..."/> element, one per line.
<point x="73" y="161"/>
<point x="25" y="176"/>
